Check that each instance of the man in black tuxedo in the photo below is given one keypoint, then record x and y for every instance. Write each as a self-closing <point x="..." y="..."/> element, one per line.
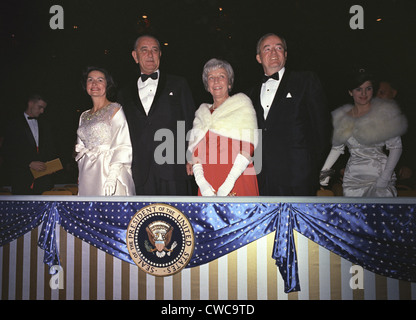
<point x="292" y="113"/>
<point x="28" y="144"/>
<point x="160" y="110"/>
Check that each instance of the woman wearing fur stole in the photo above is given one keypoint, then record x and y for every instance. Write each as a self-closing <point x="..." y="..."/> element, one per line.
<point x="366" y="127"/>
<point x="223" y="137"/>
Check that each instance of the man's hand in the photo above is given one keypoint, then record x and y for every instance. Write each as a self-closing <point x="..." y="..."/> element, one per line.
<point x="189" y="170"/>
<point x="37" y="165"/>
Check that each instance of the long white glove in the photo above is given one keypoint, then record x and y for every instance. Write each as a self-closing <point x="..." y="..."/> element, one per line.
<point x="393" y="158"/>
<point x="329" y="162"/>
<point x="204" y="186"/>
<point x="240" y="164"/>
<point x="111" y="181"/>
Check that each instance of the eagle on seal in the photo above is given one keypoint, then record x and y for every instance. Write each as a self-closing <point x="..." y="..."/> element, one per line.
<point x="160" y="236"/>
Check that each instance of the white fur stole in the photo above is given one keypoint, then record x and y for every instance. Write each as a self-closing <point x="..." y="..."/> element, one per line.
<point x="235" y="118"/>
<point x="382" y="122"/>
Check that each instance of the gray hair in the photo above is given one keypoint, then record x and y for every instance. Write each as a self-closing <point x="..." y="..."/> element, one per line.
<point x="215" y="64"/>
<point x="269" y="35"/>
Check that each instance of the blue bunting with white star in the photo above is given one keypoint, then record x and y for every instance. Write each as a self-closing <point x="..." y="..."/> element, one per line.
<point x="379" y="237"/>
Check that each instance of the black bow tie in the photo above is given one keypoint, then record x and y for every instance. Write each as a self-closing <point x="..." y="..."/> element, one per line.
<point x="147" y="76"/>
<point x="273" y="76"/>
<point x="32" y="118"/>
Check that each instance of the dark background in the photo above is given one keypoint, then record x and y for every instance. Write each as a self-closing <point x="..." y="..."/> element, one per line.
<point x="35" y="58"/>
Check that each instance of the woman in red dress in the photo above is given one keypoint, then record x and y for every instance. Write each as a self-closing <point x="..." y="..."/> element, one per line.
<point x="223" y="137"/>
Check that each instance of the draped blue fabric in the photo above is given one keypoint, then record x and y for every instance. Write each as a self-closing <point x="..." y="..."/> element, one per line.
<point x="380" y="237"/>
<point x="47" y="238"/>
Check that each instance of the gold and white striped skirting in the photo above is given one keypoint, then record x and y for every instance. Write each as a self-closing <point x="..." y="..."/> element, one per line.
<point x="248" y="273"/>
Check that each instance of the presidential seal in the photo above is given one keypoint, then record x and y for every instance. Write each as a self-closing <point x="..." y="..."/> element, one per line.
<point x="160" y="240"/>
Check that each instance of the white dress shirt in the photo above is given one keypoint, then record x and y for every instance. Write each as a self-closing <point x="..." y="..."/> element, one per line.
<point x="147" y="91"/>
<point x="268" y="92"/>
<point x="33" y="124"/>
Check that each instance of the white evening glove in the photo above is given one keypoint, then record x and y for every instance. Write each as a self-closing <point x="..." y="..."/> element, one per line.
<point x="240" y="164"/>
<point x="326" y="169"/>
<point x="111" y="181"/>
<point x="385" y="177"/>
<point x="204" y="186"/>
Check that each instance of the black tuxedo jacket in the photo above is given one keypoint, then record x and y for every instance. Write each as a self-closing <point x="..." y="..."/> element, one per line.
<point x="171" y="115"/>
<point x="295" y="135"/>
<point x="20" y="150"/>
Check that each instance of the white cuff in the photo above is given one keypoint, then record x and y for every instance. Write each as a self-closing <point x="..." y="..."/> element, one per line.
<point x="204" y="186"/>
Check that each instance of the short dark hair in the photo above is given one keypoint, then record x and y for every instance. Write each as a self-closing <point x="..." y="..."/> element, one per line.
<point x="36" y="97"/>
<point x="357" y="78"/>
<point x="111" y="85"/>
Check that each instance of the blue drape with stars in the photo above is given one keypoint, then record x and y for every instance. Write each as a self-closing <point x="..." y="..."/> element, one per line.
<point x="379" y="237"/>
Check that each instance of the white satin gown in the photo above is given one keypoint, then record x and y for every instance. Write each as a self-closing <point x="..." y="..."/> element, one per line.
<point x="103" y="139"/>
<point x="364" y="166"/>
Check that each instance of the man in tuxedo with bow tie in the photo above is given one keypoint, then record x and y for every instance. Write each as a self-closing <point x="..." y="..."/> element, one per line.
<point x="28" y="144"/>
<point x="161" y="104"/>
<point x="292" y="113"/>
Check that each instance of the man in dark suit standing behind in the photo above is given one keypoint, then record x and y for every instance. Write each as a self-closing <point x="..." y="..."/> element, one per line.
<point x="292" y="113"/>
<point x="28" y="144"/>
<point x="160" y="110"/>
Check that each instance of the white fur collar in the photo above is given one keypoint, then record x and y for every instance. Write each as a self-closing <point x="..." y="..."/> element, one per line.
<point x="235" y="118"/>
<point x="384" y="121"/>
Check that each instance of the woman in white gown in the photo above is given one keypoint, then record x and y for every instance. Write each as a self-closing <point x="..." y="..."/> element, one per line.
<point x="104" y="152"/>
<point x="366" y="127"/>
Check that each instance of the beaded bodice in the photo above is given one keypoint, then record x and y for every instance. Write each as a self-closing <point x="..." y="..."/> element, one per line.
<point x="95" y="128"/>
